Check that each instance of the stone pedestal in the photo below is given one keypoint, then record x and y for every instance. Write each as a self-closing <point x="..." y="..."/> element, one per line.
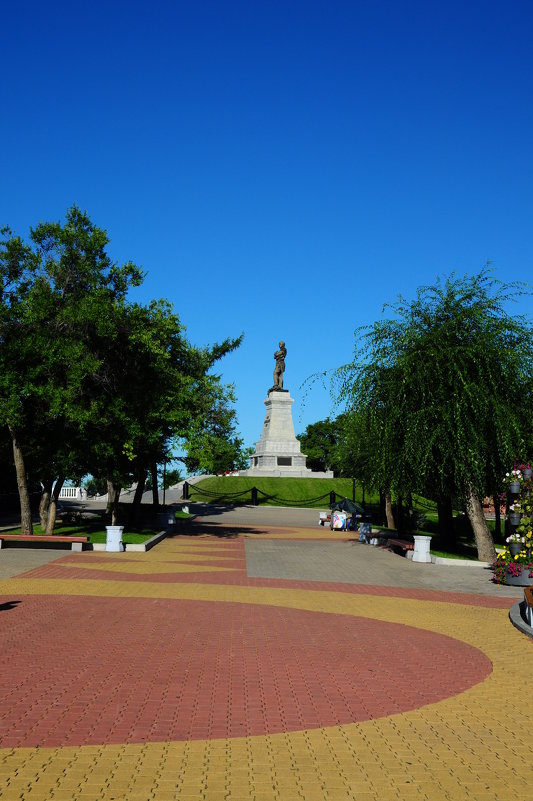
<point x="277" y="453"/>
<point x="422" y="552"/>
<point x="114" y="538"/>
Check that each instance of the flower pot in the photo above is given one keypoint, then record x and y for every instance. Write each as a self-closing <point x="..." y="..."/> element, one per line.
<point x="515" y="548"/>
<point x="514" y="487"/>
<point x="519" y="581"/>
<point x="514" y="518"/>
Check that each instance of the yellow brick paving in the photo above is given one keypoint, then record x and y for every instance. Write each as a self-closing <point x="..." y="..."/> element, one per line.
<point x="476" y="745"/>
<point x="147" y="569"/>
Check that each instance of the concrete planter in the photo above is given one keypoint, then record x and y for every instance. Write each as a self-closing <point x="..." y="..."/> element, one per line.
<point x="421" y="552"/>
<point x="519" y="581"/>
<point x="114" y="539"/>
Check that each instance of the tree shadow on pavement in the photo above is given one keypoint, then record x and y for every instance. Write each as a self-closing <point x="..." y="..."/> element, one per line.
<point x="199" y="528"/>
<point x="5" y="607"/>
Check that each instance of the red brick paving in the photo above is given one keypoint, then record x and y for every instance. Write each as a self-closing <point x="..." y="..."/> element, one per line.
<point x="235" y="560"/>
<point x="107" y="670"/>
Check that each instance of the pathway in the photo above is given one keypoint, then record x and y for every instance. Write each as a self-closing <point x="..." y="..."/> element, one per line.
<point x="260" y="663"/>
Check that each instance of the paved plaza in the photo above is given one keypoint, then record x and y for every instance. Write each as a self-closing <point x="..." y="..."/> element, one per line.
<point x="249" y="661"/>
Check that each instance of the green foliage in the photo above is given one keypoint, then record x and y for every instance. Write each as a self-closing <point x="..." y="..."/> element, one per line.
<point x="90" y="382"/>
<point x="171" y="476"/>
<point x="443" y="390"/>
<point x="212" y="445"/>
<point x="320" y="443"/>
<point x="443" y="393"/>
<point x="95" y="486"/>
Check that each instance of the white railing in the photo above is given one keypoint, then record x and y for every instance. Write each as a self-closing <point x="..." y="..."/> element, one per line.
<point x="72" y="493"/>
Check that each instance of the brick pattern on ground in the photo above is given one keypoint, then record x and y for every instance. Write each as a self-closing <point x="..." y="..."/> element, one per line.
<point x="175" y="675"/>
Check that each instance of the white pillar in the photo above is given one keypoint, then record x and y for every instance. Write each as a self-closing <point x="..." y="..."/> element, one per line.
<point x="422" y="553"/>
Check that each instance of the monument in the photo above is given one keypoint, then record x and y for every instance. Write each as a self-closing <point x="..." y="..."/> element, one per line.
<point x="277" y="453"/>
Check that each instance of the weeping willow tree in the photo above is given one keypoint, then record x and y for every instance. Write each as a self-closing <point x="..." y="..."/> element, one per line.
<point x="443" y="390"/>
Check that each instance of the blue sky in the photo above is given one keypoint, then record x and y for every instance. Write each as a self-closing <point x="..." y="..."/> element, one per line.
<point x="278" y="168"/>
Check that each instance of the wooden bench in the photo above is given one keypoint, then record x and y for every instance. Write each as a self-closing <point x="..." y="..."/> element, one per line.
<point x="528" y="602"/>
<point x="400" y="545"/>
<point x="76" y="543"/>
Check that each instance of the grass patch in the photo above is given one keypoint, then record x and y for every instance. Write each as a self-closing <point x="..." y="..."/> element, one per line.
<point x="311" y="493"/>
<point x="128" y="537"/>
<point x="95" y="533"/>
<point x="468" y="555"/>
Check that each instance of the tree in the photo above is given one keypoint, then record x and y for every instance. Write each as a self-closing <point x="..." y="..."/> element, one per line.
<point x="320" y="442"/>
<point x="56" y="294"/>
<point x="161" y="390"/>
<point x="441" y="389"/>
<point x="89" y="382"/>
<point x="171" y="477"/>
<point x="212" y="444"/>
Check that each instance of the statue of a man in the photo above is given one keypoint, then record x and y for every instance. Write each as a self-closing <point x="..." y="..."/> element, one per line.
<point x="280" y="366"/>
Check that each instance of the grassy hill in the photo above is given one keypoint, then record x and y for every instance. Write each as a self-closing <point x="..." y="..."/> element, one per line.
<point x="309" y="492"/>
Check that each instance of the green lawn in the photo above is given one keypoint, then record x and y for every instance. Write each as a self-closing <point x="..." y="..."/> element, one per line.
<point x="308" y="492"/>
<point x="128" y="537"/>
<point x="468" y="555"/>
<point x="96" y="533"/>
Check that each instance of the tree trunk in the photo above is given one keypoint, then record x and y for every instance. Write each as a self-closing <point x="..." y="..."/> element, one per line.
<point x="497" y="515"/>
<point x="447" y="533"/>
<point x="52" y="512"/>
<point x="113" y="496"/>
<point x="137" y="498"/>
<point x="26" y="525"/>
<point x="44" y="503"/>
<point x="485" y="544"/>
<point x="399" y="514"/>
<point x="388" y="511"/>
<point x="155" y="491"/>
<point x="110" y="497"/>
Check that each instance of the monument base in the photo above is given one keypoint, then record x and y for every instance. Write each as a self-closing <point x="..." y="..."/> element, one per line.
<point x="277" y="453"/>
<point x="306" y="473"/>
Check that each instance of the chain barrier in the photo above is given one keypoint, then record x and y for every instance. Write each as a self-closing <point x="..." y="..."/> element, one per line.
<point x="292" y="502"/>
<point x="265" y="496"/>
<point x="209" y="494"/>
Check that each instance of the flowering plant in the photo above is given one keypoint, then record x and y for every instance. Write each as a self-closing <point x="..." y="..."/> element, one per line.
<point x="507" y="565"/>
<point x="525" y="510"/>
<point x="514" y="475"/>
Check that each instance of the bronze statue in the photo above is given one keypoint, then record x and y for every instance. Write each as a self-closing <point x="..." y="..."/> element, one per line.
<point x="280" y="366"/>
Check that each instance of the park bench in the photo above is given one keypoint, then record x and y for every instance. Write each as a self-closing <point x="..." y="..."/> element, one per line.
<point x="528" y="604"/>
<point x="400" y="545"/>
<point x="76" y="543"/>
